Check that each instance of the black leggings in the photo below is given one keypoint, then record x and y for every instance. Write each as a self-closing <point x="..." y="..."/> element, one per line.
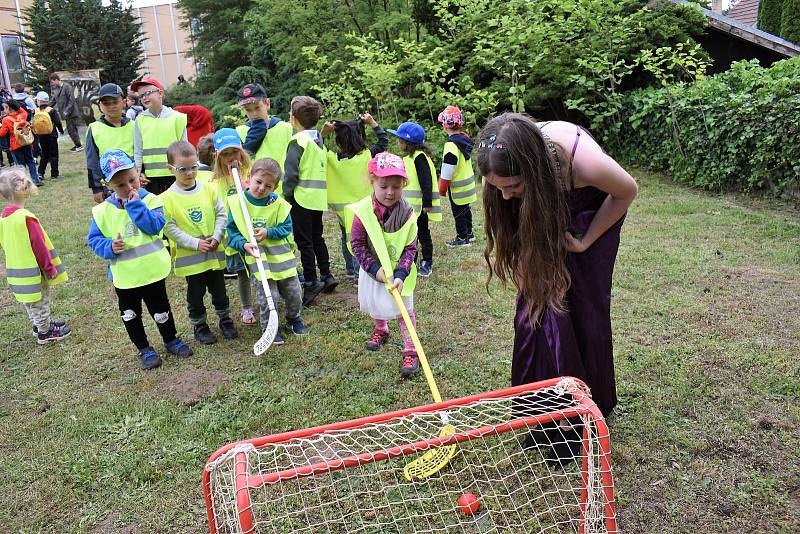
<point x="130" y="307"/>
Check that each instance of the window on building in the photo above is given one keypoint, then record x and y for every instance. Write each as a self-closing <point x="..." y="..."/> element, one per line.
<point x="15" y="63"/>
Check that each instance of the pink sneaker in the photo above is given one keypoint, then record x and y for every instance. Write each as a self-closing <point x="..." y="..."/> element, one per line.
<point x="248" y="317"/>
<point x="410" y="364"/>
<point x="378" y="339"/>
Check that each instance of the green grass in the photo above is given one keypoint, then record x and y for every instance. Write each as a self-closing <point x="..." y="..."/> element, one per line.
<point x="706" y="318"/>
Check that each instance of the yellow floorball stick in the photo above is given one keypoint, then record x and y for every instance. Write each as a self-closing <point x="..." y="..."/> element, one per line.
<point x="432" y="461"/>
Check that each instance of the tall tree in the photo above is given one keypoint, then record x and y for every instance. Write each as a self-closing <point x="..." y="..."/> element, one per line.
<point x="790" y="21"/>
<point x="83" y="34"/>
<point x="221" y="37"/>
<point x="769" y="16"/>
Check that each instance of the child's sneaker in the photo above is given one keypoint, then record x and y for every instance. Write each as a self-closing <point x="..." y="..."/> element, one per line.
<point x="458" y="242"/>
<point x="178" y="348"/>
<point x="53" y="322"/>
<point x="204" y="335"/>
<point x="471" y="237"/>
<point x="378" y="338"/>
<point x="298" y="328"/>
<point x="425" y="269"/>
<point x="330" y="283"/>
<point x="54" y="334"/>
<point x="227" y="328"/>
<point x="149" y="358"/>
<point x="278" y="339"/>
<point x="248" y="317"/>
<point x="410" y="363"/>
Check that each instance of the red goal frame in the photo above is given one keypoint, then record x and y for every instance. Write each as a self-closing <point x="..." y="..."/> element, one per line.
<point x="584" y="406"/>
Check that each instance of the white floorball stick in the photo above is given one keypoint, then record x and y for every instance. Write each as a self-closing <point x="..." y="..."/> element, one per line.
<point x="268" y="336"/>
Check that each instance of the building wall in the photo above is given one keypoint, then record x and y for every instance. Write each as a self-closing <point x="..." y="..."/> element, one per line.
<point x="12" y="60"/>
<point x="167" y="45"/>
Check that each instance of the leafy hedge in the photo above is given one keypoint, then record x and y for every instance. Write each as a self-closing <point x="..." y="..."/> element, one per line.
<point x="735" y="130"/>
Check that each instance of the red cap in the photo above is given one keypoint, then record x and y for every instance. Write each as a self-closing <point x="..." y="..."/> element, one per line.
<point x="146" y="81"/>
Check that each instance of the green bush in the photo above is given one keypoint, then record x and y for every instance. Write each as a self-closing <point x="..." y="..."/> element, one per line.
<point x="735" y="130"/>
<point x="790" y="21"/>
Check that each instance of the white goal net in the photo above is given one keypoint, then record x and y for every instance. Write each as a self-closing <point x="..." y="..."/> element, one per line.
<point x="534" y="458"/>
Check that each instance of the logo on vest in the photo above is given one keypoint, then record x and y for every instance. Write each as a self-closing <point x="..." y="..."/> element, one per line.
<point x="131" y="230"/>
<point x="259" y="223"/>
<point x="231" y="191"/>
<point x="392" y="252"/>
<point x="195" y="215"/>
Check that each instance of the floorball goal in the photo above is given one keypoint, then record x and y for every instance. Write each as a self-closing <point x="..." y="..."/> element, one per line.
<point x="533" y="458"/>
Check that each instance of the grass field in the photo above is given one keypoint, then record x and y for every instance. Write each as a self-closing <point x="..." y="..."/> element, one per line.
<point x="706" y="317"/>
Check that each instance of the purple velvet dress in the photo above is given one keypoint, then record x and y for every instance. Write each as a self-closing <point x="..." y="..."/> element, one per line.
<point x="578" y="342"/>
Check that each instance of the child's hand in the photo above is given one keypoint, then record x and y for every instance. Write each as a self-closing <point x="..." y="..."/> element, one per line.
<point x="214" y="243"/>
<point x="366" y="118"/>
<point x="397" y="284"/>
<point x="327" y="128"/>
<point x="133" y="195"/>
<point x="99" y="197"/>
<point x="427" y="210"/>
<point x="379" y="276"/>
<point x="574" y="244"/>
<point x="260" y="234"/>
<point x="204" y="245"/>
<point x="251" y="249"/>
<point x="143" y="181"/>
<point x="118" y="245"/>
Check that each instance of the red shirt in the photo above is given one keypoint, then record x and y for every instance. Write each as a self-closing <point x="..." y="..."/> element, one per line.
<point x="199" y="122"/>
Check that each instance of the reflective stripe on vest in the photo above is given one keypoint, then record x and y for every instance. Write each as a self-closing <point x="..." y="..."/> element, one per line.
<point x="25" y="278"/>
<point x="145" y="259"/>
<point x="462" y="186"/>
<point x="277" y="254"/>
<point x="112" y="138"/>
<point x="157" y="134"/>
<point x="311" y="191"/>
<point x="388" y="246"/>
<point x="347" y="181"/>
<point x="194" y="213"/>
<point x="413" y="191"/>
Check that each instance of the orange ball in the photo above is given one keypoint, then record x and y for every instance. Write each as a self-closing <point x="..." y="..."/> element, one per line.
<point x="468" y="504"/>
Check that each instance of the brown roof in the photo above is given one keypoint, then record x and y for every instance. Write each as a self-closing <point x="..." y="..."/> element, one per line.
<point x="744" y="11"/>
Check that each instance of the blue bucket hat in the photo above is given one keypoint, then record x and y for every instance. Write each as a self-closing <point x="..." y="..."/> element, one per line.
<point x="226" y="138"/>
<point x="113" y="161"/>
<point x="409" y="131"/>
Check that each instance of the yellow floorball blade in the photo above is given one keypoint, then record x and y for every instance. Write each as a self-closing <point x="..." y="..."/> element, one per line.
<point x="433" y="460"/>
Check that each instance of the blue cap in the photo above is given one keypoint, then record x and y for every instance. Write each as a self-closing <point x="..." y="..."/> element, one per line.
<point x="409" y="131"/>
<point x="113" y="161"/>
<point x="226" y="138"/>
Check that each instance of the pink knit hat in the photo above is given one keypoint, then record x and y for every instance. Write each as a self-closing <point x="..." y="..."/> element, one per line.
<point x="387" y="164"/>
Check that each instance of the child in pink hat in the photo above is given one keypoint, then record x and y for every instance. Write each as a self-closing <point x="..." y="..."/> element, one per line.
<point x="383" y="238"/>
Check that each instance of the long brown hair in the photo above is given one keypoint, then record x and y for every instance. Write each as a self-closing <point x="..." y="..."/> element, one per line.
<point x="525" y="234"/>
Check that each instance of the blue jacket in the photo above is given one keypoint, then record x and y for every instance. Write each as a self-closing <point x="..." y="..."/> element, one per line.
<point x="151" y="222"/>
<point x="257" y="133"/>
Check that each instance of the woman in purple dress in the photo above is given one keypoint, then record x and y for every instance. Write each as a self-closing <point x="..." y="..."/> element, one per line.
<point x="554" y="204"/>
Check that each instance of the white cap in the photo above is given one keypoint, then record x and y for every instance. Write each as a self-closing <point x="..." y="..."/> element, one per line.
<point x="41" y="95"/>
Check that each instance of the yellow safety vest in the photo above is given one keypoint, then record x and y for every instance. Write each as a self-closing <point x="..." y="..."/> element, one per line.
<point x="348" y="181"/>
<point x="204" y="176"/>
<point x="277" y="254"/>
<point x="462" y="185"/>
<point x="310" y="191"/>
<point x="413" y="191"/>
<point x="388" y="245"/>
<point x="145" y="259"/>
<point x="274" y="145"/>
<point x="25" y="278"/>
<point x="226" y="191"/>
<point x="195" y="215"/>
<point x="112" y="138"/>
<point x="157" y="134"/>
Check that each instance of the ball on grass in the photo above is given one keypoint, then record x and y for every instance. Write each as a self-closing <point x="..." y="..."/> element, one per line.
<point x="468" y="504"/>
